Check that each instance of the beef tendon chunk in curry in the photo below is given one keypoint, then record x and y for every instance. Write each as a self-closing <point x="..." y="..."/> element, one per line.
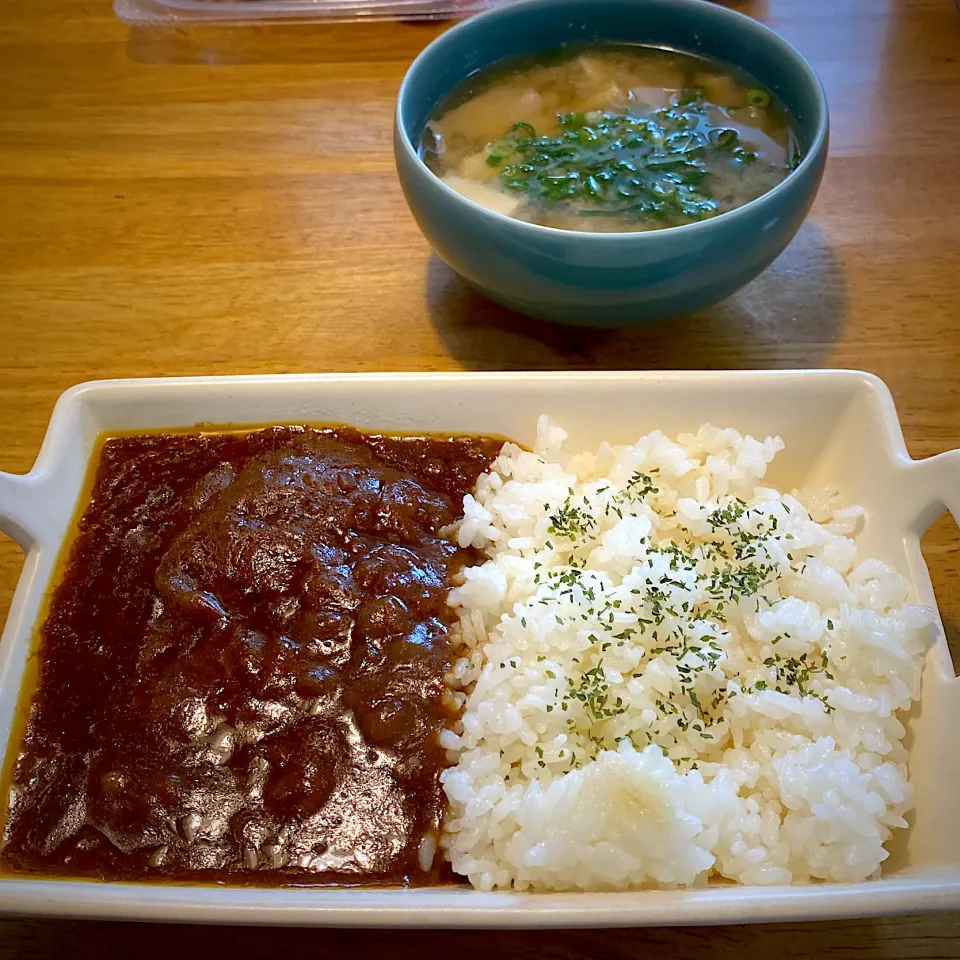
<point x="241" y="676"/>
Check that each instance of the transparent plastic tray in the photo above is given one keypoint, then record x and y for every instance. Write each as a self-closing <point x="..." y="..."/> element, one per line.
<point x="182" y="12"/>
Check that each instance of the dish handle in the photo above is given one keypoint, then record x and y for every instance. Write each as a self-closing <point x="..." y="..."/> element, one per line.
<point x="23" y="517"/>
<point x="937" y="484"/>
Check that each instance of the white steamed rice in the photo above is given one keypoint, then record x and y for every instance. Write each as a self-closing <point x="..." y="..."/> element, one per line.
<point x="672" y="672"/>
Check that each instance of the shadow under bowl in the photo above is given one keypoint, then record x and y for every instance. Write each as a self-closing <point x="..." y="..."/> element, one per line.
<point x="609" y="279"/>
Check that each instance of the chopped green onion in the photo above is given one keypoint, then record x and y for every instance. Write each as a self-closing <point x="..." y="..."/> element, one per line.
<point x="522" y="128"/>
<point x="653" y="167"/>
<point x="688" y="96"/>
<point x="724" y="137"/>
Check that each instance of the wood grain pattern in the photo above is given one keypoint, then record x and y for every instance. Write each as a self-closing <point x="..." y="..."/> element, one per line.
<point x="223" y="201"/>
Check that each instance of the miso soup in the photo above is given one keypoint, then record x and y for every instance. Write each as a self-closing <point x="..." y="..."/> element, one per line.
<point x="610" y="138"/>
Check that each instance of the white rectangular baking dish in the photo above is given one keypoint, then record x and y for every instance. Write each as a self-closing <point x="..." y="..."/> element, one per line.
<point x="838" y="425"/>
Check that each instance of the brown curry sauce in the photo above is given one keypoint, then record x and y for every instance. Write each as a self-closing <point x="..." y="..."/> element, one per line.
<point x="241" y="672"/>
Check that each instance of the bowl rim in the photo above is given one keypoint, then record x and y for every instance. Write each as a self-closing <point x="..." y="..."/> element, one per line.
<point x="812" y="156"/>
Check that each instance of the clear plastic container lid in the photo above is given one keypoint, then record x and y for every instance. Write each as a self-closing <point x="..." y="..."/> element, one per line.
<point x="181" y="12"/>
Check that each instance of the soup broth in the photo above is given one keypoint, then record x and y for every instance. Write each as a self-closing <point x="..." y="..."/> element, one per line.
<point x="611" y="138"/>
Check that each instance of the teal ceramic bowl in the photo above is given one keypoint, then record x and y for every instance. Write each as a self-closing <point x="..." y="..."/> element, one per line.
<point x="609" y="279"/>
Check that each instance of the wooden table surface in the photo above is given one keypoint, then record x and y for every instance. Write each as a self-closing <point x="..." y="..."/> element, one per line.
<point x="224" y="201"/>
